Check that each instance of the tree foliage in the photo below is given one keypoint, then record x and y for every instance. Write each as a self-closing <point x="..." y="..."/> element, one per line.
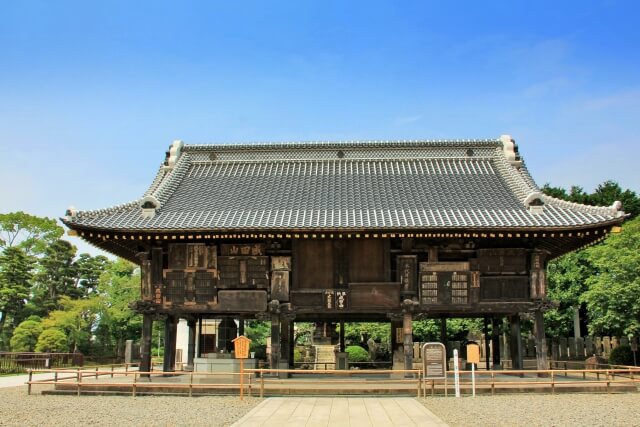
<point x="30" y="233"/>
<point x="613" y="294"/>
<point x="52" y="340"/>
<point x="25" y="336"/>
<point x="15" y="282"/>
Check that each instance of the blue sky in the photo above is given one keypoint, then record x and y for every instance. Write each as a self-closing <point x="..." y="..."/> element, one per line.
<point x="93" y="93"/>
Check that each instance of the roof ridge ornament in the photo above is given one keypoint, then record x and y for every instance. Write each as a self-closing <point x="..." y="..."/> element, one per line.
<point x="510" y="150"/>
<point x="535" y="202"/>
<point x="172" y="156"/>
<point x="149" y="205"/>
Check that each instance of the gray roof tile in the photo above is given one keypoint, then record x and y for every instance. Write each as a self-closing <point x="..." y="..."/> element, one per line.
<point x="374" y="185"/>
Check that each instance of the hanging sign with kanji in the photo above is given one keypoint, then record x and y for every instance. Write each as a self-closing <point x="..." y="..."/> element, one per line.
<point x="241" y="347"/>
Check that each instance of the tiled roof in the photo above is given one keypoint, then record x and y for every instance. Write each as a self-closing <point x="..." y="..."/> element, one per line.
<point x="476" y="184"/>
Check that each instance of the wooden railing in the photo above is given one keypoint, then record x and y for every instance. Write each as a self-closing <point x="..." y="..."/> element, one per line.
<point x="12" y="362"/>
<point x="340" y="381"/>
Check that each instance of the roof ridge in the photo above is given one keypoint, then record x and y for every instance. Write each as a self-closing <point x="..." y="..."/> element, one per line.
<point x="258" y="145"/>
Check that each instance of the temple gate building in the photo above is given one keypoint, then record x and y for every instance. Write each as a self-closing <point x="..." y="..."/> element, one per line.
<point x="342" y="232"/>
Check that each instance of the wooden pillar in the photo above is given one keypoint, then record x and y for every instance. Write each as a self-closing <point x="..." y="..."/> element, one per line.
<point x="495" y="342"/>
<point x="541" y="341"/>
<point x="487" y="344"/>
<point x="515" y="342"/>
<point x="292" y="346"/>
<point x="275" y="341"/>
<point x="191" y="345"/>
<point x="407" y="329"/>
<point x="285" y="346"/>
<point x="145" y="344"/>
<point x="395" y="325"/>
<point x="170" y="329"/>
<point x="199" y="336"/>
<point x="342" y="347"/>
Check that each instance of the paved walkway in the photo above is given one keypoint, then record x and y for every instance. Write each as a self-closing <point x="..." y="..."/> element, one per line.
<point x="18" y="380"/>
<point x="340" y="411"/>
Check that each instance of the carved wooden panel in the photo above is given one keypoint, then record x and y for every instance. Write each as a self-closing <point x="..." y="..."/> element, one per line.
<point x="444" y="283"/>
<point x="366" y="260"/>
<point x="407" y="273"/>
<point x="177" y="256"/>
<point x="145" y="280"/>
<point x="242" y="301"/>
<point x="374" y="295"/>
<point x="245" y="249"/>
<point x="499" y="288"/>
<point x="307" y="299"/>
<point x="335" y="299"/>
<point x="280" y="285"/>
<point x="315" y="264"/>
<point x="501" y="261"/>
<point x="280" y="263"/>
<point x="243" y="272"/>
<point x="205" y="288"/>
<point x="174" y="287"/>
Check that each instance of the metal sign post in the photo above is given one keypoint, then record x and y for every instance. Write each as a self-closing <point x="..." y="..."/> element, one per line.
<point x="456" y="373"/>
<point x="473" y="357"/>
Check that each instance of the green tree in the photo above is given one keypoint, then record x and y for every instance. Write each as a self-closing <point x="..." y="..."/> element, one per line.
<point x="567" y="282"/>
<point x="76" y="320"/>
<point x="30" y="233"/>
<point x="56" y="277"/>
<point x="52" y="340"/>
<point x="25" y="335"/>
<point x="118" y="286"/>
<point x="15" y="282"/>
<point x="88" y="272"/>
<point x="613" y="295"/>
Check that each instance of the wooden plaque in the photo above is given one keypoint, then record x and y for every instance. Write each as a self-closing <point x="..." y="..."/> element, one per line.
<point x="241" y="347"/>
<point x="473" y="353"/>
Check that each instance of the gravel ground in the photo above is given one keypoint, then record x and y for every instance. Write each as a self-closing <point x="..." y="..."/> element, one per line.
<point x="19" y="409"/>
<point x="538" y="410"/>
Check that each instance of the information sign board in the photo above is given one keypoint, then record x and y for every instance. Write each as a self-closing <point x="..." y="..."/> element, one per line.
<point x="473" y="353"/>
<point x="434" y="360"/>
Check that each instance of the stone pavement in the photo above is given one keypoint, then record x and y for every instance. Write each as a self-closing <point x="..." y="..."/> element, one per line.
<point x="340" y="411"/>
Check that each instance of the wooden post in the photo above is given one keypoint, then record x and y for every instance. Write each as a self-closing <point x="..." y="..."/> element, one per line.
<point x="261" y="384"/>
<point x="191" y="345"/>
<point x="170" y="329"/>
<point x="285" y="345"/>
<point x="516" y="342"/>
<point x="78" y="381"/>
<point x="541" y="341"/>
<point x="275" y="341"/>
<point x="145" y="345"/>
<point x="241" y="379"/>
<point x="135" y="380"/>
<point x="342" y="347"/>
<point x="30" y="379"/>
<point x="495" y="342"/>
<point x="199" y="352"/>
<point x="487" y="344"/>
<point x="191" y="384"/>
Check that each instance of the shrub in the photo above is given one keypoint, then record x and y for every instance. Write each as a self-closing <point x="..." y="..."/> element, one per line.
<point x="25" y="336"/>
<point x="621" y="355"/>
<point x="357" y="354"/>
<point x="52" y="340"/>
<point x="297" y="355"/>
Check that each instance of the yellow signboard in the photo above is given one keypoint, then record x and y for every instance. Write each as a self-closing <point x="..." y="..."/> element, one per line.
<point x="473" y="353"/>
<point x="241" y="347"/>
